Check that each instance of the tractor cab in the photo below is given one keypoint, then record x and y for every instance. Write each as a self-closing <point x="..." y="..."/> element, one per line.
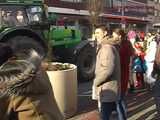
<point x="21" y="13"/>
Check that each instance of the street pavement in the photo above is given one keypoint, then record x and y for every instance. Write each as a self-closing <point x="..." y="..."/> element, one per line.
<point x="140" y="105"/>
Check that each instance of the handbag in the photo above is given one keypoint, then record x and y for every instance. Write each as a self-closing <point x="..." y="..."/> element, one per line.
<point x="156" y="71"/>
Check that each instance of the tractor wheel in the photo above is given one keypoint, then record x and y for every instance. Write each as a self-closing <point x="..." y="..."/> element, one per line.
<point x="86" y="63"/>
<point x="25" y="42"/>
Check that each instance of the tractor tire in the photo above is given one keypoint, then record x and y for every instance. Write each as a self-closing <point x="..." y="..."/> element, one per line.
<point x="86" y="61"/>
<point x="24" y="42"/>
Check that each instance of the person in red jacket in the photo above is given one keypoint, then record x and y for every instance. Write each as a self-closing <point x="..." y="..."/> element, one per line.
<point x="126" y="51"/>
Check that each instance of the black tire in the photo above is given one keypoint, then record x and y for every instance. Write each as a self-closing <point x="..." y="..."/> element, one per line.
<point x="86" y="61"/>
<point x="25" y="42"/>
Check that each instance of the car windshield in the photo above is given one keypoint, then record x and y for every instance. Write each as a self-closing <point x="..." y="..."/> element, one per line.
<point x="13" y="16"/>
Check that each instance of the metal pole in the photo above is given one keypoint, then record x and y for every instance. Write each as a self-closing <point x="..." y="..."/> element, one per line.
<point x="122" y="14"/>
<point x="0" y="17"/>
<point x="122" y="6"/>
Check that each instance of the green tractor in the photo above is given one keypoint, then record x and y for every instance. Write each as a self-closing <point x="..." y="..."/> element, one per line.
<point x="25" y="24"/>
<point x="68" y="46"/>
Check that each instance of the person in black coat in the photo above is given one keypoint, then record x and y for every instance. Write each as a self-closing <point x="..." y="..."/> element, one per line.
<point x="25" y="90"/>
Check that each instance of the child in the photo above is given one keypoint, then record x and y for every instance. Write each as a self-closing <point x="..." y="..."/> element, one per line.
<point x="139" y="66"/>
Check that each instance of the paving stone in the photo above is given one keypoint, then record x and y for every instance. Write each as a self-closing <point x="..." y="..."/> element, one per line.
<point x="140" y="105"/>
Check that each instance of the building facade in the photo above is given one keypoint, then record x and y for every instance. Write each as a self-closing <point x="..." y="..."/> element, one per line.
<point x="116" y="13"/>
<point x="154" y="15"/>
<point x="129" y="13"/>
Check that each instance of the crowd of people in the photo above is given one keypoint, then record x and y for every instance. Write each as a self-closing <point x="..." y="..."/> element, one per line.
<point x="125" y="62"/>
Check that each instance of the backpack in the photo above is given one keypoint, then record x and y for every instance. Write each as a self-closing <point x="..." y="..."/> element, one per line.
<point x="139" y="65"/>
<point x="156" y="67"/>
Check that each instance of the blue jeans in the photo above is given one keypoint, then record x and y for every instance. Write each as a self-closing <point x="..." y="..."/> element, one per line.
<point x="106" y="109"/>
<point x="121" y="110"/>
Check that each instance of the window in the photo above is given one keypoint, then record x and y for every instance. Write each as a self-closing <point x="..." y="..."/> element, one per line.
<point x="155" y="13"/>
<point x="155" y="0"/>
<point x="68" y="0"/>
<point x="35" y="13"/>
<point x="13" y="16"/>
<point x="74" y="0"/>
<point x="109" y="3"/>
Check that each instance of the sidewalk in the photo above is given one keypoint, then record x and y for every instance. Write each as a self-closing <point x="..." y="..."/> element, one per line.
<point x="140" y="105"/>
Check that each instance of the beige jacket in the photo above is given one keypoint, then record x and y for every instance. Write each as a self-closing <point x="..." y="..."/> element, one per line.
<point x="107" y="73"/>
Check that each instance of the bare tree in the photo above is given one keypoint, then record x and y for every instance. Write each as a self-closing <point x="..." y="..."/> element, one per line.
<point x="95" y="8"/>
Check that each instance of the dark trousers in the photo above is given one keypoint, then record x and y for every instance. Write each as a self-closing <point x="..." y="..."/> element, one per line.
<point x="156" y="95"/>
<point x="106" y="109"/>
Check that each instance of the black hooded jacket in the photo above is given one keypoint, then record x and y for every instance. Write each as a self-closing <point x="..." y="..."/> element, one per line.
<point x="18" y="71"/>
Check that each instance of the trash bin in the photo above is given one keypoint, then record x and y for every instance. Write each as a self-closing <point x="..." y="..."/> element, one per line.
<point x="64" y="84"/>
